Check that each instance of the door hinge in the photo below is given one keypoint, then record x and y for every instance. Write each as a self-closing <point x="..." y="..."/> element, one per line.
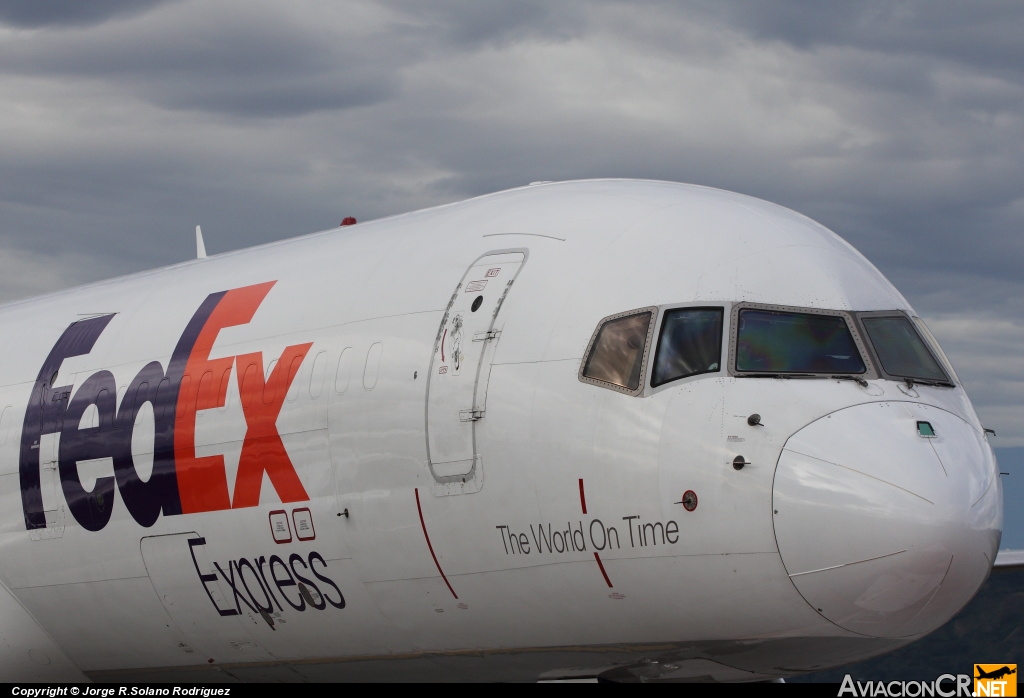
<point x="471" y="415"/>
<point x="486" y="336"/>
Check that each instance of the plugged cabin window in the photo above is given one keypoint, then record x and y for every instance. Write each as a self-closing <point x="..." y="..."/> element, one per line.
<point x="901" y="350"/>
<point x="773" y="341"/>
<point x="250" y="385"/>
<point x="165" y="401"/>
<point x="5" y="419"/>
<point x="690" y="344"/>
<point x="316" y="376"/>
<point x="341" y="379"/>
<point x="371" y="369"/>
<point x="293" y="385"/>
<point x="617" y="353"/>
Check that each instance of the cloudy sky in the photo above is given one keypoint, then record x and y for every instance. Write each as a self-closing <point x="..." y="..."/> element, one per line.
<point x="900" y="125"/>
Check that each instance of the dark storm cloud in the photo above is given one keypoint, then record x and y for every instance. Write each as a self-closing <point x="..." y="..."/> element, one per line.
<point x="455" y="23"/>
<point x="986" y="37"/>
<point x="34" y="14"/>
<point x="266" y="98"/>
<point x="251" y="66"/>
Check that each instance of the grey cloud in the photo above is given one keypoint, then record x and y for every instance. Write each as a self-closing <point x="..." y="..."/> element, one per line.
<point x="984" y="37"/>
<point x="896" y="125"/>
<point x="34" y="14"/>
<point x="473" y="24"/>
<point x="252" y="66"/>
<point x="256" y="98"/>
<point x="158" y="48"/>
<point x="257" y="64"/>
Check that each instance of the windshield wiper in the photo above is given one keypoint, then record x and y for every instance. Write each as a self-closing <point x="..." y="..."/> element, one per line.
<point x="857" y="379"/>
<point x="911" y="382"/>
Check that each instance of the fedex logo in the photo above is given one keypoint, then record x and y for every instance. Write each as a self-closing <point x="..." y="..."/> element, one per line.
<point x="181" y="482"/>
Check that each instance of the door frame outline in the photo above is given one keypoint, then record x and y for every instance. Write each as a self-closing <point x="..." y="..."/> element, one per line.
<point x="472" y="480"/>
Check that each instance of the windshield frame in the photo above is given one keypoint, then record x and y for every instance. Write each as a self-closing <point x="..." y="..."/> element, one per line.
<point x="723" y="339"/>
<point x="927" y="340"/>
<point x="870" y="371"/>
<point x="645" y="361"/>
<point x="730" y="339"/>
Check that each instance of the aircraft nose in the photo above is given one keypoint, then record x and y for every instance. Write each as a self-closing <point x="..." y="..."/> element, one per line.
<point x="888" y="516"/>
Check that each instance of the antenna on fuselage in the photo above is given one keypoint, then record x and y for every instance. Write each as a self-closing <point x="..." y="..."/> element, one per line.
<point x="200" y="245"/>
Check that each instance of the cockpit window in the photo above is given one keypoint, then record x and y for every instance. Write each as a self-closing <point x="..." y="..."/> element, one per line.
<point x="771" y="341"/>
<point x="690" y="343"/>
<point x="929" y="338"/>
<point x="901" y="350"/>
<point x="617" y="352"/>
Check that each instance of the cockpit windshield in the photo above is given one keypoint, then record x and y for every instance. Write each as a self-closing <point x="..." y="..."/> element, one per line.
<point x="690" y="343"/>
<point x="901" y="350"/>
<point x="773" y="341"/>
<point x="617" y="352"/>
<point x="766" y="341"/>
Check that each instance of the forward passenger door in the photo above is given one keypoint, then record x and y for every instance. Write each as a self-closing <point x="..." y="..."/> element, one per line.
<point x="460" y="369"/>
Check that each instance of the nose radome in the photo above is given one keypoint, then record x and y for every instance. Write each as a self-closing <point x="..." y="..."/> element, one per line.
<point x="884" y="529"/>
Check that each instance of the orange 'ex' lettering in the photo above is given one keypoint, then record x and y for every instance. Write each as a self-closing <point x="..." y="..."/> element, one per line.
<point x="202" y="481"/>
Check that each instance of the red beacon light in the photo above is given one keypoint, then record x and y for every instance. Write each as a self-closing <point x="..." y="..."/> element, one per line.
<point x="348" y="220"/>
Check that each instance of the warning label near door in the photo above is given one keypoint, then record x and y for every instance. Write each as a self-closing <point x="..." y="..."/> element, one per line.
<point x="279" y="527"/>
<point x="473" y="286"/>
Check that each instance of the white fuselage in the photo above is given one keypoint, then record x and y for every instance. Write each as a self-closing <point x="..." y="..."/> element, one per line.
<point x="354" y="473"/>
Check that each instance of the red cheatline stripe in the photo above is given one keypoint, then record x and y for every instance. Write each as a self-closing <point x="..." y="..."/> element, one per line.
<point x="431" y="547"/>
<point x="583" y="503"/>
<point x="599" y="564"/>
